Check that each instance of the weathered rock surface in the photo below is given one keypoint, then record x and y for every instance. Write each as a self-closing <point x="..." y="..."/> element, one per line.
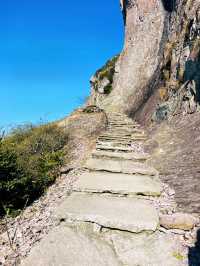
<point x="181" y="221"/>
<point x="174" y="106"/>
<point x="174" y="148"/>
<point x="134" y="156"/>
<point x="65" y="247"/>
<point x="82" y="129"/>
<point x="114" y="148"/>
<point x="127" y="214"/>
<point x="123" y="184"/>
<point x="120" y="166"/>
<point x="139" y="60"/>
<point x="156" y="249"/>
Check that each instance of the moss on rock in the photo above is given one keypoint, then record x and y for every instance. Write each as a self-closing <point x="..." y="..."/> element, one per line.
<point x="105" y="73"/>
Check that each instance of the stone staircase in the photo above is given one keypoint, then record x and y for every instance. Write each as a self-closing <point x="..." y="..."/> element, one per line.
<point x="111" y="217"/>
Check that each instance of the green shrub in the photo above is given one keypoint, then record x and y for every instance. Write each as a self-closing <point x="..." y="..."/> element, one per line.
<point x="30" y="158"/>
<point x="107" y="71"/>
<point x="108" y="89"/>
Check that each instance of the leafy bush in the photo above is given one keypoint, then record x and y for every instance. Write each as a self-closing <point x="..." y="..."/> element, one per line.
<point x="30" y="158"/>
<point x="107" y="71"/>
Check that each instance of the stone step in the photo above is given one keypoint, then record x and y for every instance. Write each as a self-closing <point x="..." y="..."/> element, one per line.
<point x="120" y="141"/>
<point x="115" y="183"/>
<point x="129" y="135"/>
<point x="122" y="133"/>
<point x="117" y="115"/>
<point x="120" y="166"/>
<point x="128" y="156"/>
<point x="120" y="117"/>
<point x="112" y="123"/>
<point x="122" y="126"/>
<point x="113" y="143"/>
<point x="117" y="148"/>
<point x="64" y="246"/>
<point x="120" y="130"/>
<point x="131" y="139"/>
<point x="131" y="125"/>
<point x="122" y="120"/>
<point x="121" y="137"/>
<point x="128" y="214"/>
<point x="108" y="141"/>
<point x="113" y="139"/>
<point x="117" y="134"/>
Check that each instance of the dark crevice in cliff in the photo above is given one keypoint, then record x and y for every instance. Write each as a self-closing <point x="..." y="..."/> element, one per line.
<point x="169" y="5"/>
<point x="124" y="13"/>
<point x="194" y="252"/>
<point x="192" y="70"/>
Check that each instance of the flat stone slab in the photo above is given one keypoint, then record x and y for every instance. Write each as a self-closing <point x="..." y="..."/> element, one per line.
<point x="65" y="247"/>
<point x="120" y="166"/>
<point x="117" y="183"/>
<point x="122" y="155"/>
<point x="128" y="214"/>
<point x="117" y="148"/>
<point x="157" y="249"/>
<point x="113" y="143"/>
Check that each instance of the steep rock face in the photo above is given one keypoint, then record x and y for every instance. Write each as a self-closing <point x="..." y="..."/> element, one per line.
<point x="172" y="111"/>
<point x="102" y="82"/>
<point x="156" y="81"/>
<point x="140" y="58"/>
<point x="139" y="61"/>
<point x="178" y="90"/>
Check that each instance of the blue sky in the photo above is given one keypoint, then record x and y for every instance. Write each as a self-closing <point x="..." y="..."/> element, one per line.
<point x="49" y="50"/>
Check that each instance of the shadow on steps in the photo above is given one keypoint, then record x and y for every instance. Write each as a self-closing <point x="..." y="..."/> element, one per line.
<point x="194" y="252"/>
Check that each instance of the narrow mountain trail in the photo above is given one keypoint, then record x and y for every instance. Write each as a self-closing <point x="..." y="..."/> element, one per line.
<point x="112" y="216"/>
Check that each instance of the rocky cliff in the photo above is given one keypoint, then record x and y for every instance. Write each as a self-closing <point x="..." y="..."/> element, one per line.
<point x="179" y="80"/>
<point x="138" y="63"/>
<point x="159" y="58"/>
<point x="156" y="81"/>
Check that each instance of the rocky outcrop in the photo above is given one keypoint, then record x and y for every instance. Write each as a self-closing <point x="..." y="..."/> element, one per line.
<point x="139" y="61"/>
<point x="174" y="146"/>
<point x="83" y="127"/>
<point x="179" y="83"/>
<point x="156" y="74"/>
<point x="102" y="82"/>
<point x="171" y="113"/>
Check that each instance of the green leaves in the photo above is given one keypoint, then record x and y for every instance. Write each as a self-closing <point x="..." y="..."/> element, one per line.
<point x="30" y="158"/>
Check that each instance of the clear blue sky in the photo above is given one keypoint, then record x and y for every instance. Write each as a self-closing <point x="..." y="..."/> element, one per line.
<point x="49" y="50"/>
